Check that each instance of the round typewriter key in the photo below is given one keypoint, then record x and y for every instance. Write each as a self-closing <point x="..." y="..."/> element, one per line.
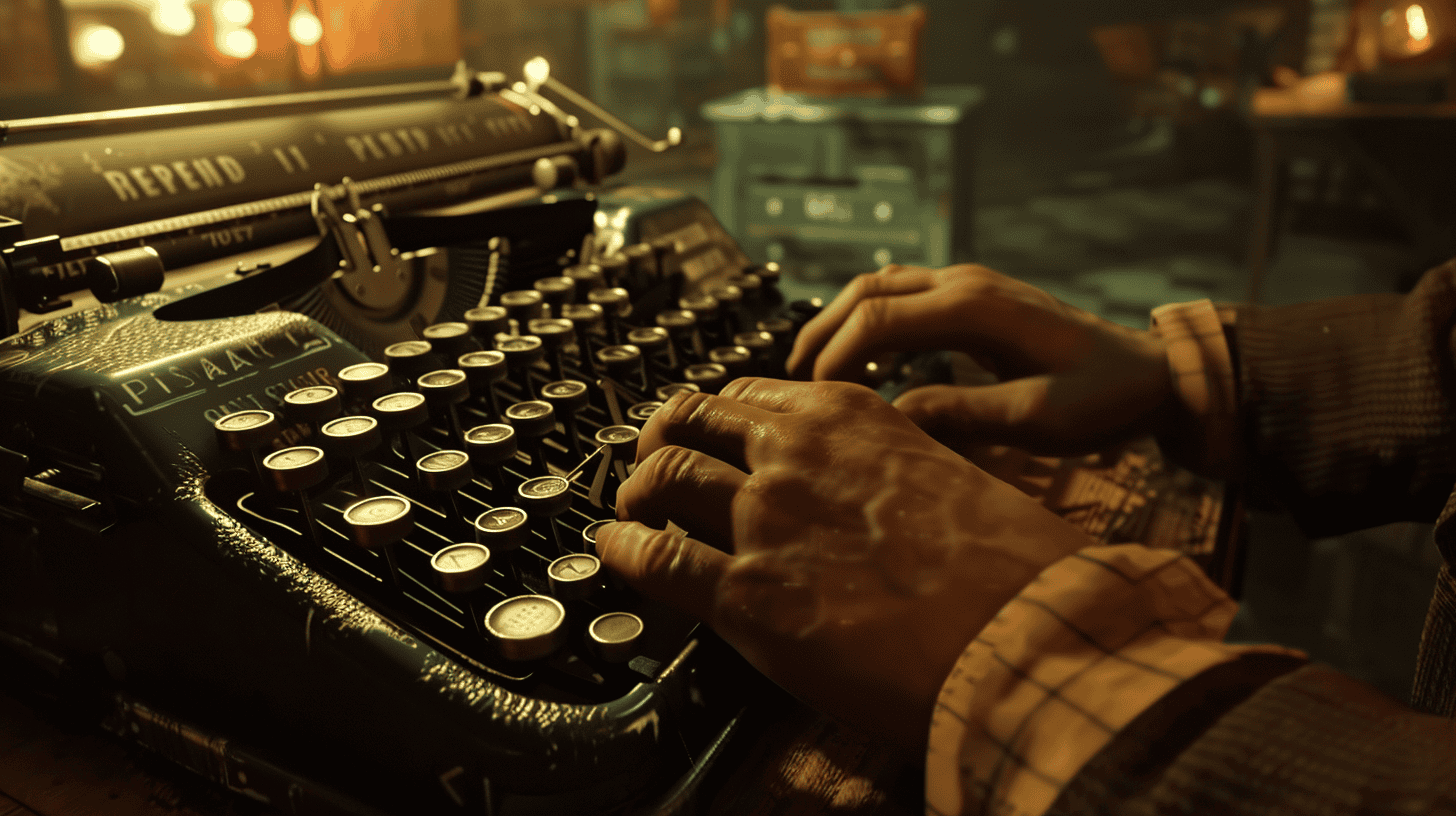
<point x="704" y="306"/>
<point x="584" y="317"/>
<point x="449" y="340"/>
<point x="752" y="287"/>
<point x="759" y="343"/>
<point x="737" y="361"/>
<point x="769" y="273"/>
<point x="589" y="535"/>
<point x="682" y="331"/>
<point x="587" y="277"/>
<point x="365" y="382"/>
<point x="621" y="440"/>
<point x="521" y="353"/>
<point x="556" y="292"/>
<point x="643" y="411"/>
<point x="780" y="328"/>
<point x="314" y="404"/>
<point x="616" y="303"/>
<point x="545" y="498"/>
<point x="566" y="398"/>
<point x="461" y="568"/>
<point x="556" y="334"/>
<point x="445" y="471"/>
<point x="522" y="305"/>
<point x="483" y="369"/>
<point x="613" y="268"/>
<point x="296" y="470"/>
<point x="504" y="530"/>
<point x="574" y="577"/>
<point x="350" y="438"/>
<point x="666" y="392"/>
<point x="247" y="432"/>
<point x="624" y="364"/>
<point x="527" y="627"/>
<point x="730" y="299"/>
<point x="641" y="261"/>
<point x="710" y="377"/>
<point x="486" y="322"/>
<point x="400" y="413"/>
<point x="410" y="358"/>
<point x="492" y="446"/>
<point x="379" y="520"/>
<point x="380" y="523"/>
<point x="653" y="340"/>
<point x="533" y="420"/>
<point x="443" y="390"/>
<point x="613" y="636"/>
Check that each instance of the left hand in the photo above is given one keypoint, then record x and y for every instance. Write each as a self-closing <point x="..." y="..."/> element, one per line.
<point x="852" y="557"/>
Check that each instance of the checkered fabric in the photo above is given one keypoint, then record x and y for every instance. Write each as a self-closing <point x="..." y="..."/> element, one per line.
<point x="1104" y="687"/>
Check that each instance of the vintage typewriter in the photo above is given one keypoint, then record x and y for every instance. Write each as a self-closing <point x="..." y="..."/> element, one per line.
<point x="301" y="493"/>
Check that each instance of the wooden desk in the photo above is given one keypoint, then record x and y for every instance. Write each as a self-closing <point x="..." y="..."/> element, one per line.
<point x="801" y="764"/>
<point x="1404" y="150"/>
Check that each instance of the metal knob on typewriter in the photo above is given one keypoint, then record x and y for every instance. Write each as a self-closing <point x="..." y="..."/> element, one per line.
<point x="624" y="364"/>
<point x="643" y="411"/>
<point x="737" y="361"/>
<point x="616" y="304"/>
<point x="296" y="470"/>
<point x="730" y="300"/>
<point x="443" y="390"/>
<point x="621" y="442"/>
<point x="486" y="322"/>
<point x="556" y="292"/>
<point x="523" y="305"/>
<point x="446" y="471"/>
<point x="567" y="397"/>
<point x="401" y="412"/>
<point x="313" y="405"/>
<point x="709" y="377"/>
<point x="589" y="535"/>
<point x="504" y="531"/>
<point x="350" y="438"/>
<point x="533" y="420"/>
<point x="521" y="353"/>
<point x="483" y="369"/>
<point x="587" y="277"/>
<point x="653" y="341"/>
<point x="410" y="358"/>
<point x="448" y="340"/>
<point x="614" y="637"/>
<point x="380" y="523"/>
<point x="641" y="262"/>
<point x="681" y="326"/>
<point x="556" y="334"/>
<point x="769" y="273"/>
<point x="759" y="343"/>
<point x="527" y="627"/>
<point x="366" y="382"/>
<point x="752" y="287"/>
<point x="247" y="432"/>
<point x="463" y="570"/>
<point x="574" y="577"/>
<point x="492" y="446"/>
<point x="545" y="498"/>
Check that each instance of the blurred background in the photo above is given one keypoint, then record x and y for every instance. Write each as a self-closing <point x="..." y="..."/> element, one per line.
<point x="1119" y="154"/>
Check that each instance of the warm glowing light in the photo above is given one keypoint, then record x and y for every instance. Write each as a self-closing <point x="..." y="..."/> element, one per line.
<point x="538" y="71"/>
<point x="240" y="43"/>
<point x="173" y="17"/>
<point x="305" y="28"/>
<point x="237" y="12"/>
<point x="98" y="44"/>
<point x="1415" y="20"/>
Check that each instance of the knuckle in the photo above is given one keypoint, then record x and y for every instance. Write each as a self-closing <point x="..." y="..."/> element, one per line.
<point x="743" y="387"/>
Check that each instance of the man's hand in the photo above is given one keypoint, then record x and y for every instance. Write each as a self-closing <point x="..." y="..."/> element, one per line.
<point x="1070" y="382"/>
<point x="846" y="554"/>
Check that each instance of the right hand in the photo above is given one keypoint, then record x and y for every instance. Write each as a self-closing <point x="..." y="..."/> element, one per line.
<point x="1070" y="382"/>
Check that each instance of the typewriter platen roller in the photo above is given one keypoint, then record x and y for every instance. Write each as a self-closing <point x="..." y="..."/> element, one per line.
<point x="331" y="547"/>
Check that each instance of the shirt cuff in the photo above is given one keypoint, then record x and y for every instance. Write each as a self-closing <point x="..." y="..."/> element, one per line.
<point x="1084" y="649"/>
<point x="1201" y="363"/>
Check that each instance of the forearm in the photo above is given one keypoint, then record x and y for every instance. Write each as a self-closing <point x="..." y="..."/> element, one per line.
<point x="1343" y="409"/>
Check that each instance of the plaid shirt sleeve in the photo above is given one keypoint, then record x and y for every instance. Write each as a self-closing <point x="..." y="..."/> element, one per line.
<point x="1095" y="641"/>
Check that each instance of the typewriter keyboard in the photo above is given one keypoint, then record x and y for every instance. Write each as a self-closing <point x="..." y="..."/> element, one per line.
<point x="456" y="486"/>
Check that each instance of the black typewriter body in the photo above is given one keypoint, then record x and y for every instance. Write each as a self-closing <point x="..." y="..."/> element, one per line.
<point x="241" y="628"/>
